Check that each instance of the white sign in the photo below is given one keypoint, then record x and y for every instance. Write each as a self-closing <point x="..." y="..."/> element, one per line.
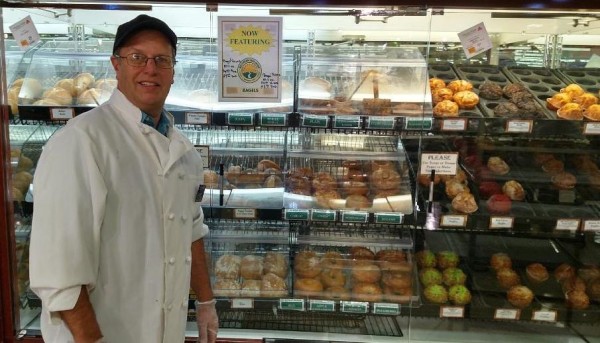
<point x="25" y="33"/>
<point x="204" y="151"/>
<point x="475" y="40"/>
<point x="250" y="59"/>
<point x="442" y="163"/>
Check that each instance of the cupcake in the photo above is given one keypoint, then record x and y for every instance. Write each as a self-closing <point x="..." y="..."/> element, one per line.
<point x="425" y="259"/>
<point x="453" y="276"/>
<point x="519" y="296"/>
<point x="436" y="294"/>
<point x="447" y="259"/>
<point x="430" y="276"/>
<point x="459" y="295"/>
<point x="536" y="273"/>
<point x="508" y="278"/>
<point x="500" y="260"/>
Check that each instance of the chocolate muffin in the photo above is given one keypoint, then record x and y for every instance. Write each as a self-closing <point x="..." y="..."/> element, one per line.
<point x="490" y="90"/>
<point x="512" y="88"/>
<point x="506" y="109"/>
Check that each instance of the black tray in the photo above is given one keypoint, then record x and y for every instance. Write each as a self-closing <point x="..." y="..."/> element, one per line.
<point x="589" y="78"/>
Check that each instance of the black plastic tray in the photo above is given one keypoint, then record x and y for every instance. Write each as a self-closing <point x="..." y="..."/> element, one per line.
<point x="589" y="78"/>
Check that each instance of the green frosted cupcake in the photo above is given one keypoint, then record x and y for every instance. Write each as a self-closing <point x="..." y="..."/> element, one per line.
<point x="430" y="276"/>
<point x="459" y="295"/>
<point x="453" y="276"/>
<point x="436" y="294"/>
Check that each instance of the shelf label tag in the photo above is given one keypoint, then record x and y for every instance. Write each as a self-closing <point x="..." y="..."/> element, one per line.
<point x="244" y="213"/>
<point x="240" y="119"/>
<point x="291" y="304"/>
<point x="273" y="119"/>
<point x="323" y="215"/>
<point x="442" y="163"/>
<point x="379" y="123"/>
<point x="346" y="122"/>
<point x="591" y="225"/>
<point x="591" y="129"/>
<point x="388" y="218"/>
<point x="452" y="312"/>
<point x="454" y="220"/>
<point x="354" y="307"/>
<point x="242" y="303"/>
<point x="454" y="124"/>
<point x="501" y="222"/>
<point x="322" y="305"/>
<point x="519" y="126"/>
<point x="567" y="224"/>
<point x="418" y="124"/>
<point x="545" y="316"/>
<point x="386" y="309"/>
<point x="315" y="121"/>
<point x="197" y="118"/>
<point x="355" y="217"/>
<point x="507" y="313"/>
<point x="293" y="214"/>
<point x="61" y="113"/>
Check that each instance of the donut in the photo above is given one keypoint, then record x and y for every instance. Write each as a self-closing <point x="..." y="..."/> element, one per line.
<point x="251" y="267"/>
<point x="397" y="294"/>
<point x="357" y="202"/>
<point x="385" y="179"/>
<point x="390" y="255"/>
<point x="307" y="286"/>
<point x="366" y="271"/>
<point x="333" y="260"/>
<point x="227" y="287"/>
<point x="397" y="280"/>
<point x="307" y="264"/>
<point x="361" y="253"/>
<point x="266" y="164"/>
<point x="275" y="263"/>
<point x="272" y="285"/>
<point x="337" y="293"/>
<point x="366" y="292"/>
<point x="228" y="267"/>
<point x="331" y="277"/>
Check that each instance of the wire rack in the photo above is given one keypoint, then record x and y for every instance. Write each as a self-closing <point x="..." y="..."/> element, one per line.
<point x="332" y="142"/>
<point x="235" y="139"/>
<point x="348" y="234"/>
<point x="248" y="231"/>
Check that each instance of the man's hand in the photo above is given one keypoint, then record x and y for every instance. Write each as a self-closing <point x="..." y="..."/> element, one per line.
<point x="207" y="320"/>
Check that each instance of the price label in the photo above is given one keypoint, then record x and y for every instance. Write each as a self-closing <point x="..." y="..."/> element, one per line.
<point x="61" y="113"/>
<point x="388" y="218"/>
<point x="323" y="215"/>
<point x="242" y="303"/>
<point x="591" y="225"/>
<point x="355" y="217"/>
<point x="291" y="304"/>
<point x="273" y="119"/>
<point x="507" y="314"/>
<point x="346" y="122"/>
<point x="454" y="124"/>
<point x="197" y="118"/>
<point x="452" y="312"/>
<point x="240" y="119"/>
<point x="567" y="224"/>
<point x="591" y="129"/>
<point x="386" y="309"/>
<point x="501" y="222"/>
<point x="381" y="123"/>
<point x="315" y="121"/>
<point x="244" y="213"/>
<point x="545" y="316"/>
<point x="293" y="214"/>
<point x="418" y="124"/>
<point x="354" y="307"/>
<point x="453" y="220"/>
<point x="519" y="126"/>
<point x="322" y="305"/>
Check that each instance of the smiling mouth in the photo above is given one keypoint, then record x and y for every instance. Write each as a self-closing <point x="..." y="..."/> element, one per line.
<point x="146" y="84"/>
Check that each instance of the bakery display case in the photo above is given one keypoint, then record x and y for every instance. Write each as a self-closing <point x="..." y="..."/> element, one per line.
<point x="326" y="222"/>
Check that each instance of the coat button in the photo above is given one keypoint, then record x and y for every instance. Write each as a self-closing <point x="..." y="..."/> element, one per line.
<point x="184" y="304"/>
<point x="181" y="176"/>
<point x="171" y="216"/>
<point x="188" y="259"/>
<point x="172" y="260"/>
<point x="170" y="307"/>
<point x="184" y="217"/>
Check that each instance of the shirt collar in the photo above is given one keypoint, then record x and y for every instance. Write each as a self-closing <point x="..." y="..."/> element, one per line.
<point x="163" y="122"/>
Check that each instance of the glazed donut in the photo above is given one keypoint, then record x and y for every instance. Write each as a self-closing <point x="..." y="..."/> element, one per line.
<point x="362" y="253"/>
<point x="390" y="255"/>
<point x="385" y="179"/>
<point x="333" y="260"/>
<point x="397" y="280"/>
<point x="355" y="188"/>
<point x="266" y="164"/>
<point x="275" y="263"/>
<point x="251" y="267"/>
<point x="337" y="293"/>
<point x="272" y="285"/>
<point x="366" y="292"/>
<point x="227" y="287"/>
<point x="324" y="181"/>
<point x="228" y="267"/>
<point x="307" y="264"/>
<point x="331" y="277"/>
<point x="307" y="286"/>
<point x="366" y="271"/>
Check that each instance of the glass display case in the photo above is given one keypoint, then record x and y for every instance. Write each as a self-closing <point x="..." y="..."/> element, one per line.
<point x="400" y="191"/>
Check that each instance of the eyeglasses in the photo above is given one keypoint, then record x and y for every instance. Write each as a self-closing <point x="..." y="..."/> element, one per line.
<point x="139" y="60"/>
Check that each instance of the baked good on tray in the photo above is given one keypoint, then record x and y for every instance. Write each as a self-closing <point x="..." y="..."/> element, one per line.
<point x="466" y="99"/>
<point x="592" y="113"/>
<point x="499" y="204"/>
<point x="497" y="165"/>
<point x="536" y="273"/>
<point x="507" y="278"/>
<point x="586" y="100"/>
<point x="435" y="83"/>
<point x="500" y="260"/>
<point x="558" y="100"/>
<point x="460" y="85"/>
<point x="464" y="202"/>
<point x="445" y="108"/>
<point x="514" y="190"/>
<point x="441" y="94"/>
<point x="570" y="111"/>
<point x="490" y="90"/>
<point x="506" y="109"/>
<point x="573" y="90"/>
<point x="519" y="296"/>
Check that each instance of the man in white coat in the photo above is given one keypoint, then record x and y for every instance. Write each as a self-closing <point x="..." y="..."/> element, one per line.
<point x="117" y="227"/>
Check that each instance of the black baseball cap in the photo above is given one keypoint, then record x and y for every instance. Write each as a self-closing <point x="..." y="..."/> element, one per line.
<point x="140" y="23"/>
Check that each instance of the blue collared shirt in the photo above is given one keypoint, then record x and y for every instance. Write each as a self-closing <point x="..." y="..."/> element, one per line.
<point x="163" y="123"/>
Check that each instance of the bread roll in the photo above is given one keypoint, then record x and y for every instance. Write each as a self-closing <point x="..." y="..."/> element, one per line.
<point x="66" y="84"/>
<point x="82" y="82"/>
<point x="59" y="95"/>
<point x="93" y="97"/>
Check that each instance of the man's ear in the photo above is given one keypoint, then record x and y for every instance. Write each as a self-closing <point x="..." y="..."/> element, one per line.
<point x="115" y="62"/>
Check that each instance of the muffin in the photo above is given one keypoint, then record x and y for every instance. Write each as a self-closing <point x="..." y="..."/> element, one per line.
<point x="435" y="83"/>
<point x="563" y="272"/>
<point x="459" y="295"/>
<point x="497" y="165"/>
<point x="500" y="260"/>
<point x="466" y="99"/>
<point x="445" y="108"/>
<point x="460" y="85"/>
<point x="447" y="259"/>
<point x="506" y="109"/>
<point x="513" y="88"/>
<point x="574" y="283"/>
<point x="570" y="111"/>
<point x="557" y="101"/>
<point x="593" y="289"/>
<point x="507" y="278"/>
<point x="425" y="259"/>
<point x="453" y="276"/>
<point x="588" y="273"/>
<point x="490" y="90"/>
<point x="436" y="294"/>
<point x="514" y="190"/>
<point x="430" y="276"/>
<point x="464" y="202"/>
<point x="536" y="273"/>
<point x="574" y="90"/>
<point x="489" y="188"/>
<point x="592" y="113"/>
<point x="440" y="94"/>
<point x="577" y="300"/>
<point x="499" y="204"/>
<point x="519" y="296"/>
<point x="586" y="100"/>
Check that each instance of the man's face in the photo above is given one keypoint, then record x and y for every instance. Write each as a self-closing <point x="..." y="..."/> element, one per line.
<point x="146" y="87"/>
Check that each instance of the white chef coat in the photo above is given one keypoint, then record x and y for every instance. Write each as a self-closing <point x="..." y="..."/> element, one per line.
<point x="115" y="210"/>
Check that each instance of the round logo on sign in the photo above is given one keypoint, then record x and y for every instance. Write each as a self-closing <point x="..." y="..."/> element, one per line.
<point x="249" y="70"/>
